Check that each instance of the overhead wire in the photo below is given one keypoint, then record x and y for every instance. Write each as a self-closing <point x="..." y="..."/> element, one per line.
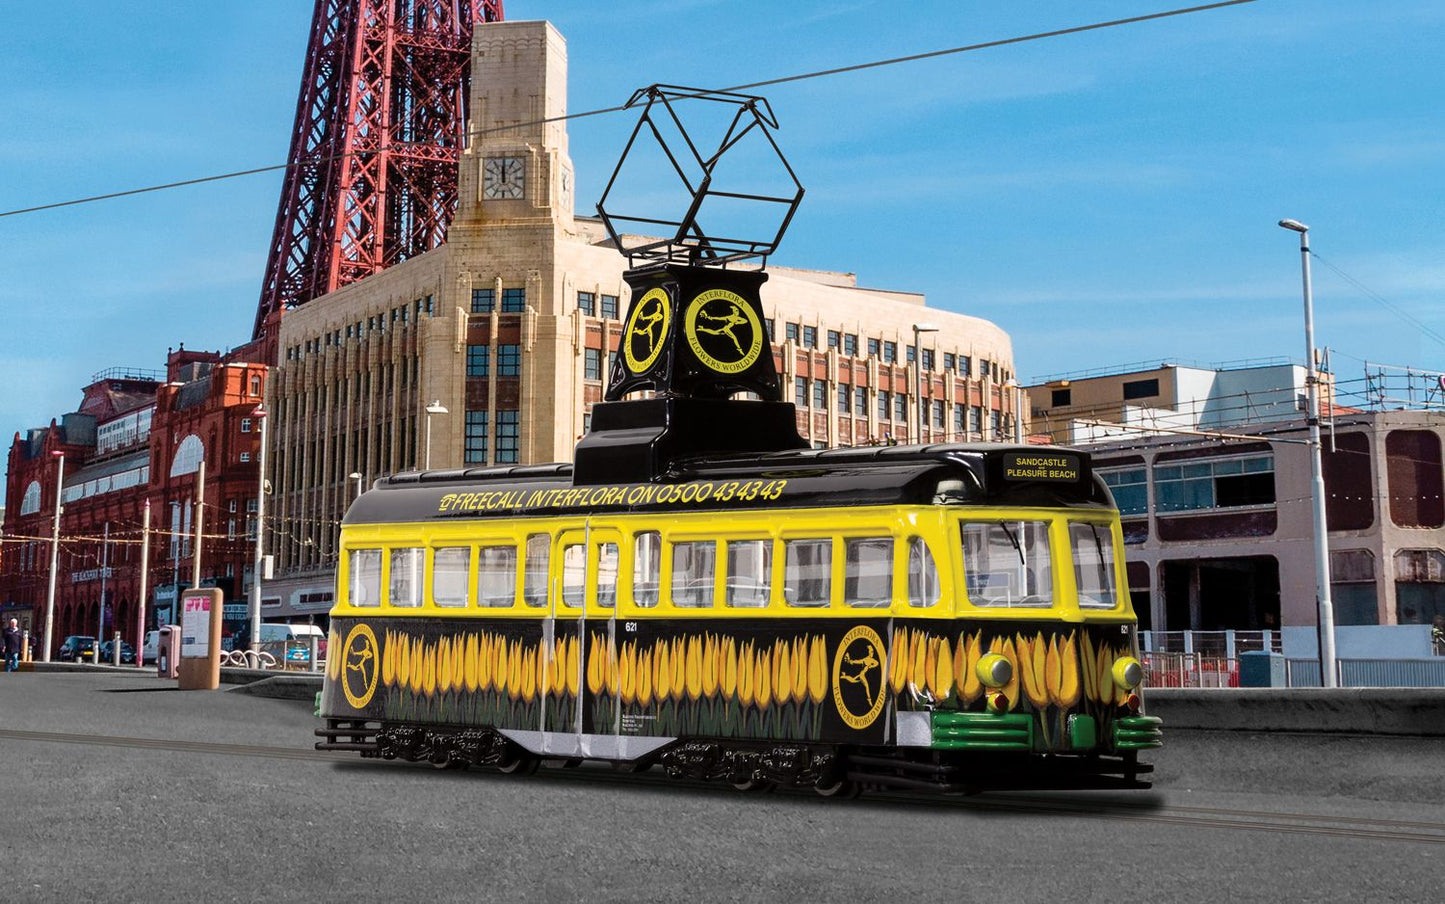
<point x="857" y="67"/>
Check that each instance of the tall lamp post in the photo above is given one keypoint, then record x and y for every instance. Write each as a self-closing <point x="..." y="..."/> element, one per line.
<point x="259" y="563"/>
<point x="435" y="407"/>
<point x="1317" y="479"/>
<point x="54" y="559"/>
<point x="920" y="407"/>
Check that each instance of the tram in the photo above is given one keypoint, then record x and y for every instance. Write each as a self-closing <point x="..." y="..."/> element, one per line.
<point x="942" y="617"/>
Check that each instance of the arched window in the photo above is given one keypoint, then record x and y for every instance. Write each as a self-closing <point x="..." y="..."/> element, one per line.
<point x="30" y="503"/>
<point x="188" y="456"/>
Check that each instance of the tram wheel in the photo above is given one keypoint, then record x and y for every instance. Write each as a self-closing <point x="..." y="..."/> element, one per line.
<point x="521" y="763"/>
<point x="842" y="789"/>
<point x="753" y="785"/>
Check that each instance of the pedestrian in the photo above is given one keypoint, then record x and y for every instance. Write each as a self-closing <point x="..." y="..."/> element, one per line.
<point x="13" y="639"/>
<point x="1437" y="635"/>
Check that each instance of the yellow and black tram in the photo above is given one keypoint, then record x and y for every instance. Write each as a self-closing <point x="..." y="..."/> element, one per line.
<point x="949" y="617"/>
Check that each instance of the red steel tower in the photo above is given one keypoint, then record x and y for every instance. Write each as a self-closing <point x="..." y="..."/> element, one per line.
<point x="372" y="175"/>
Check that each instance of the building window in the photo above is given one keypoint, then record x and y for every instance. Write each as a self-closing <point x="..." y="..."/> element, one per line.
<point x="883" y="402"/>
<point x="475" y="445"/>
<point x="790" y="330"/>
<point x="958" y="418"/>
<point x="1141" y="389"/>
<point x="592" y="363"/>
<point x="860" y="401"/>
<point x="1352" y="587"/>
<point x="938" y="414"/>
<point x="509" y="360"/>
<point x="514" y="301"/>
<point x="975" y="419"/>
<point x="1214" y="483"/>
<point x="965" y="366"/>
<point x="928" y="359"/>
<point x="1413" y="474"/>
<point x="950" y="360"/>
<point x="850" y="344"/>
<point x="834" y="339"/>
<point x="609" y="307"/>
<point x="890" y="352"/>
<point x="995" y="424"/>
<point x="508" y="438"/>
<point x="1061" y="397"/>
<point x="587" y="303"/>
<point x="845" y="396"/>
<point x="810" y="336"/>
<point x="245" y="425"/>
<point x="900" y="407"/>
<point x="245" y="457"/>
<point x="30" y="502"/>
<point x="772" y="328"/>
<point x="908" y="354"/>
<point x="873" y="346"/>
<point x="1419" y="586"/>
<point x="820" y="395"/>
<point x="800" y="391"/>
<point x="1130" y="488"/>
<point x="477" y="358"/>
<point x="484" y="301"/>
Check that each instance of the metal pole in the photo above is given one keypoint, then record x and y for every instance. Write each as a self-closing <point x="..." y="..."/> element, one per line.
<point x="200" y="520"/>
<point x="1328" y="673"/>
<point x="917" y="384"/>
<point x="54" y="563"/>
<point x="145" y="563"/>
<point x="428" y="440"/>
<point x="260" y="558"/>
<point x="100" y="610"/>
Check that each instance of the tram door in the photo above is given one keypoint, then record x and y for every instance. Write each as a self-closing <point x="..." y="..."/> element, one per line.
<point x="582" y="624"/>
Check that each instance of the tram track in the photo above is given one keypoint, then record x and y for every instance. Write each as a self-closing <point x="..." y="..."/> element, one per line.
<point x="1074" y="804"/>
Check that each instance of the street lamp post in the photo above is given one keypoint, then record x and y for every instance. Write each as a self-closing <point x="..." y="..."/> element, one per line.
<point x="1328" y="677"/>
<point x="356" y="476"/>
<point x="435" y="407"/>
<point x="54" y="559"/>
<point x="920" y="407"/>
<point x="259" y="561"/>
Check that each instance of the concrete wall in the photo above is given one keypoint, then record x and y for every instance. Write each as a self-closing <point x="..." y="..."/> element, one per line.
<point x="1368" y="711"/>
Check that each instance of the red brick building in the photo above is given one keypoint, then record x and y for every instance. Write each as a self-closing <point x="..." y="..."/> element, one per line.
<point x="136" y="438"/>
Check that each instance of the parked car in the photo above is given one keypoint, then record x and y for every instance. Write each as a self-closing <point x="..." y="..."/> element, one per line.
<point x="291" y="644"/>
<point x="149" y="647"/>
<point x="78" y="648"/>
<point x="107" y="653"/>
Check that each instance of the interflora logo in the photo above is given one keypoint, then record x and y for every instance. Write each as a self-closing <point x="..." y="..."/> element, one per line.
<point x="723" y="331"/>
<point x="359" y="668"/>
<point x="858" y="677"/>
<point x="646" y="331"/>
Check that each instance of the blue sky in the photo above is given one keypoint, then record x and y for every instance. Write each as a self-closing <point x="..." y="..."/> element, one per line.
<point x="1107" y="197"/>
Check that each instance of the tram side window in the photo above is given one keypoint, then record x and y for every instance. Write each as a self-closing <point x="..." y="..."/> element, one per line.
<point x="808" y="572"/>
<point x="406" y="571"/>
<point x="868" y="571"/>
<point x="574" y="574"/>
<point x="365" y="573"/>
<point x="607" y="575"/>
<point x="693" y="567"/>
<point x="923" y="585"/>
<point x="1006" y="563"/>
<point x="750" y="573"/>
<point x="1093" y="564"/>
<point x="534" y="583"/>
<point x="646" y="568"/>
<point x="497" y="576"/>
<point x="450" y="568"/>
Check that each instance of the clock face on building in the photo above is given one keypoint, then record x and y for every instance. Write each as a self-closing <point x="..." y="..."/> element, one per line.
<point x="503" y="178"/>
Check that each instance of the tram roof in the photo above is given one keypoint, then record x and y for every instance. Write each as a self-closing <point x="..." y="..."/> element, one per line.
<point x="946" y="474"/>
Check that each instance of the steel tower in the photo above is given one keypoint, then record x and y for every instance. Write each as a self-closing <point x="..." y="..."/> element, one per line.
<point x="372" y="174"/>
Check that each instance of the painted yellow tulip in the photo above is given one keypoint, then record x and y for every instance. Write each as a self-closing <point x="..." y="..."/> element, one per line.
<point x="678" y="661"/>
<point x="333" y="662"/>
<point x="782" y="677"/>
<point x="661" y="671"/>
<point x="418" y="665"/>
<point x="626" y="674"/>
<point x="388" y="661"/>
<point x="728" y="667"/>
<point x="1108" y="691"/>
<point x="763" y="680"/>
<point x="514" y="669"/>
<point x="1053" y="672"/>
<point x="574" y="666"/>
<point x="609" y="672"/>
<point x="444" y="665"/>
<point x="529" y="675"/>
<point x="1069" y="677"/>
<point x="430" y="681"/>
<point x="1087" y="665"/>
<point x="710" y="666"/>
<point x="917" y="662"/>
<point x="484" y="662"/>
<point x="800" y="668"/>
<point x="930" y="665"/>
<point x="972" y="686"/>
<point x="746" y="676"/>
<point x="596" y="664"/>
<point x="818" y="669"/>
<point x="644" y="678"/>
<point x="692" y="672"/>
<point x="898" y="660"/>
<point x="942" y="669"/>
<point x="1030" y="663"/>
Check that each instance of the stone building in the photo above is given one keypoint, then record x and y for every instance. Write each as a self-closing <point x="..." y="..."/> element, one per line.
<point x="511" y="325"/>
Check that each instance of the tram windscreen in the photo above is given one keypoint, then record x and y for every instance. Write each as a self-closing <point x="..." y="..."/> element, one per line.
<point x="1007" y="563"/>
<point x="1093" y="546"/>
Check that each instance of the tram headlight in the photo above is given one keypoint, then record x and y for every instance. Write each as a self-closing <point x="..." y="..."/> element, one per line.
<point x="1127" y="672"/>
<point x="994" y="670"/>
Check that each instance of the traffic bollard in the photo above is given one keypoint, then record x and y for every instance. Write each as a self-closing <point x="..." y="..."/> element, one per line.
<point x="315" y="651"/>
<point x="115" y="650"/>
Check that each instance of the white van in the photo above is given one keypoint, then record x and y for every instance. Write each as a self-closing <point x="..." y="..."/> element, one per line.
<point x="148" y="649"/>
<point x="291" y="644"/>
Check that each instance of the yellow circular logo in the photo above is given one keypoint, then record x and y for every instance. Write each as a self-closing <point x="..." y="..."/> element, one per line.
<point x="858" y="677"/>
<point x="723" y="331"/>
<point x="646" y="332"/>
<point x="359" y="666"/>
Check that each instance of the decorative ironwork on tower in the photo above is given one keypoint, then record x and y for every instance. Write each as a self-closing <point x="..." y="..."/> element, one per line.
<point x="372" y="175"/>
